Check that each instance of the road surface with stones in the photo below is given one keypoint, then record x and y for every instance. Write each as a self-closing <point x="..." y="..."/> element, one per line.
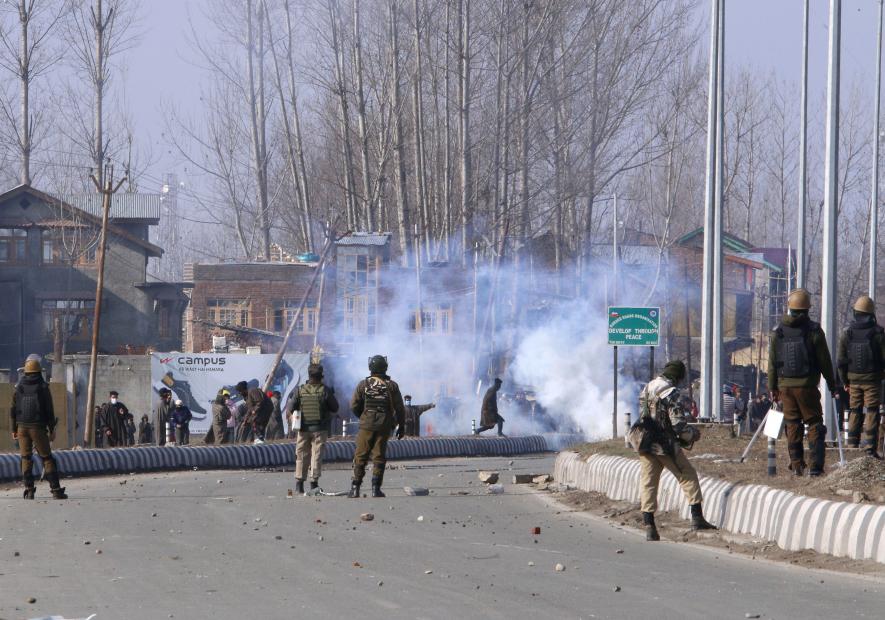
<point x="231" y="545"/>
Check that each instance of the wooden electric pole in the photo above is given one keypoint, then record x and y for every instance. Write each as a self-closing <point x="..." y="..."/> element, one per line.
<point x="107" y="192"/>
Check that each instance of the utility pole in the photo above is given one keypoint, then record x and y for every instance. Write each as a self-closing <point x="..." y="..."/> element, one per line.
<point x="874" y="199"/>
<point x="831" y="197"/>
<point x="803" y="165"/>
<point x="707" y="343"/>
<point x="107" y="192"/>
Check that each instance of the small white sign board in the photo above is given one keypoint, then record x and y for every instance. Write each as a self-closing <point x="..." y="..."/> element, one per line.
<point x="774" y="424"/>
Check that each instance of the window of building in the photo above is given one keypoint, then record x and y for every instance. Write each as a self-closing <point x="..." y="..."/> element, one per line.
<point x="13" y="245"/>
<point x="73" y="316"/>
<point x="435" y="319"/>
<point x="66" y="245"/>
<point x="284" y="312"/>
<point x="360" y="270"/>
<point x="229" y="312"/>
<point x="164" y="320"/>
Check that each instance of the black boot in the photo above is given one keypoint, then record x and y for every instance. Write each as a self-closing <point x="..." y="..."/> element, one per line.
<point x="314" y="485"/>
<point x="354" y="489"/>
<point x="299" y="487"/>
<point x="30" y="492"/>
<point x="698" y="522"/>
<point x="58" y="491"/>
<point x="818" y="452"/>
<point x="651" y="531"/>
<point x="376" y="486"/>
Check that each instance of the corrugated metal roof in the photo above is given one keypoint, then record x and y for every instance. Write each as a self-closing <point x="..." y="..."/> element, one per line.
<point x="124" y="206"/>
<point x="365" y="238"/>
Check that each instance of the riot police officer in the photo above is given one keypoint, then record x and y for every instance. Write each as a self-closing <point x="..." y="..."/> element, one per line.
<point x="860" y="359"/>
<point x="798" y="356"/>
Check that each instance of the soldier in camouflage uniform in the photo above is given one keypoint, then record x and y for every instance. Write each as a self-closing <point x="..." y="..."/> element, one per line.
<point x="860" y="357"/>
<point x="659" y="436"/>
<point x="33" y="421"/>
<point x="797" y="358"/>
<point x="378" y="403"/>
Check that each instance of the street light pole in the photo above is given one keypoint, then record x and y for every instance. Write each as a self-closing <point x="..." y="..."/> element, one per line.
<point x="709" y="219"/>
<point x="718" y="256"/>
<point x="803" y="166"/>
<point x="874" y="199"/>
<point x="831" y="197"/>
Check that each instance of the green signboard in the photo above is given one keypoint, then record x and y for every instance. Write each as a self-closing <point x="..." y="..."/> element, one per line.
<point x="634" y="327"/>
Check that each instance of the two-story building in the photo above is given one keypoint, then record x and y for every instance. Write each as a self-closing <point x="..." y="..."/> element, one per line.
<point x="48" y="270"/>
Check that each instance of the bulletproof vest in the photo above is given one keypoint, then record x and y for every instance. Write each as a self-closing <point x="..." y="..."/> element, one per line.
<point x="863" y="354"/>
<point x="795" y="358"/>
<point x="377" y="395"/>
<point x="29" y="409"/>
<point x="311" y="403"/>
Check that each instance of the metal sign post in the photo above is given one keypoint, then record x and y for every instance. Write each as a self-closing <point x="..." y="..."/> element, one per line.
<point x="631" y="327"/>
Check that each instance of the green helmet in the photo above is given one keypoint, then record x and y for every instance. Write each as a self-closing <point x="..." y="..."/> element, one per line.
<point x="378" y="364"/>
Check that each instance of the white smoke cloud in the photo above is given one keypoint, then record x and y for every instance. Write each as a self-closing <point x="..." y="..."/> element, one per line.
<point x="569" y="363"/>
<point x="565" y="361"/>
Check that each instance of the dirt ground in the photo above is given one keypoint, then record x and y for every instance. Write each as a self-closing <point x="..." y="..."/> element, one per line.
<point x="672" y="527"/>
<point x="717" y="453"/>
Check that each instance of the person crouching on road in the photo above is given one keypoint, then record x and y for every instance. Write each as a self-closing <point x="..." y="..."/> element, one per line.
<point x="317" y="403"/>
<point x="33" y="426"/>
<point x="659" y="436"/>
<point x="378" y="403"/>
<point x="181" y="418"/>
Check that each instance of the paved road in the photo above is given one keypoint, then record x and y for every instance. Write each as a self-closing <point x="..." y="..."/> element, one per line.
<point x="181" y="545"/>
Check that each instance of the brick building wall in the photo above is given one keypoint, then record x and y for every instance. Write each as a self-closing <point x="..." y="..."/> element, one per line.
<point x="253" y="296"/>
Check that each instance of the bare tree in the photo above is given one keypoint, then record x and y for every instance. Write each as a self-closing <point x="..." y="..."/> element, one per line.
<point x="27" y="56"/>
<point x="96" y="34"/>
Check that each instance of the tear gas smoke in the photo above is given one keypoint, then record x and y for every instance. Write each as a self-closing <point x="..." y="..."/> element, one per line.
<point x="564" y="363"/>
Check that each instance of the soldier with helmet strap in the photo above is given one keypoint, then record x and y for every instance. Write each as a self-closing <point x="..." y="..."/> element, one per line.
<point x="659" y="436"/>
<point x="860" y="358"/>
<point x="33" y="426"/>
<point x="378" y="403"/>
<point x="798" y="356"/>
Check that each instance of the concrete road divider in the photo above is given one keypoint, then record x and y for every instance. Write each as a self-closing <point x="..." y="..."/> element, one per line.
<point x="794" y="522"/>
<point x="247" y="456"/>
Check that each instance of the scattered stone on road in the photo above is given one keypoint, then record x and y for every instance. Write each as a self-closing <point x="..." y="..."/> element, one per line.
<point x="524" y="478"/>
<point x="416" y="491"/>
<point x="32" y="600"/>
<point x="844" y="492"/>
<point x="496" y="489"/>
<point x="559" y="568"/>
<point x="536" y="531"/>
<point x="542" y="479"/>
<point x="617" y="588"/>
<point x="488" y="477"/>
<point x="367" y="516"/>
<point x="619" y="551"/>
<point x="749" y="615"/>
<point x="420" y="518"/>
<point x="858" y="497"/>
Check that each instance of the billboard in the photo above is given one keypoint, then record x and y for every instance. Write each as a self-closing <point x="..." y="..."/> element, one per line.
<point x="195" y="378"/>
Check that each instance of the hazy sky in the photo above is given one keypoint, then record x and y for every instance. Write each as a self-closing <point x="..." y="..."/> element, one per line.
<point x="763" y="34"/>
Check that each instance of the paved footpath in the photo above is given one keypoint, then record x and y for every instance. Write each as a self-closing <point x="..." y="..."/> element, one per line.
<point x="181" y="545"/>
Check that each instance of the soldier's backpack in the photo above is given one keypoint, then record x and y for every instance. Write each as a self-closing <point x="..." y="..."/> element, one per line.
<point x="312" y="403"/>
<point x="795" y="357"/>
<point x="376" y="397"/>
<point x="864" y="356"/>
